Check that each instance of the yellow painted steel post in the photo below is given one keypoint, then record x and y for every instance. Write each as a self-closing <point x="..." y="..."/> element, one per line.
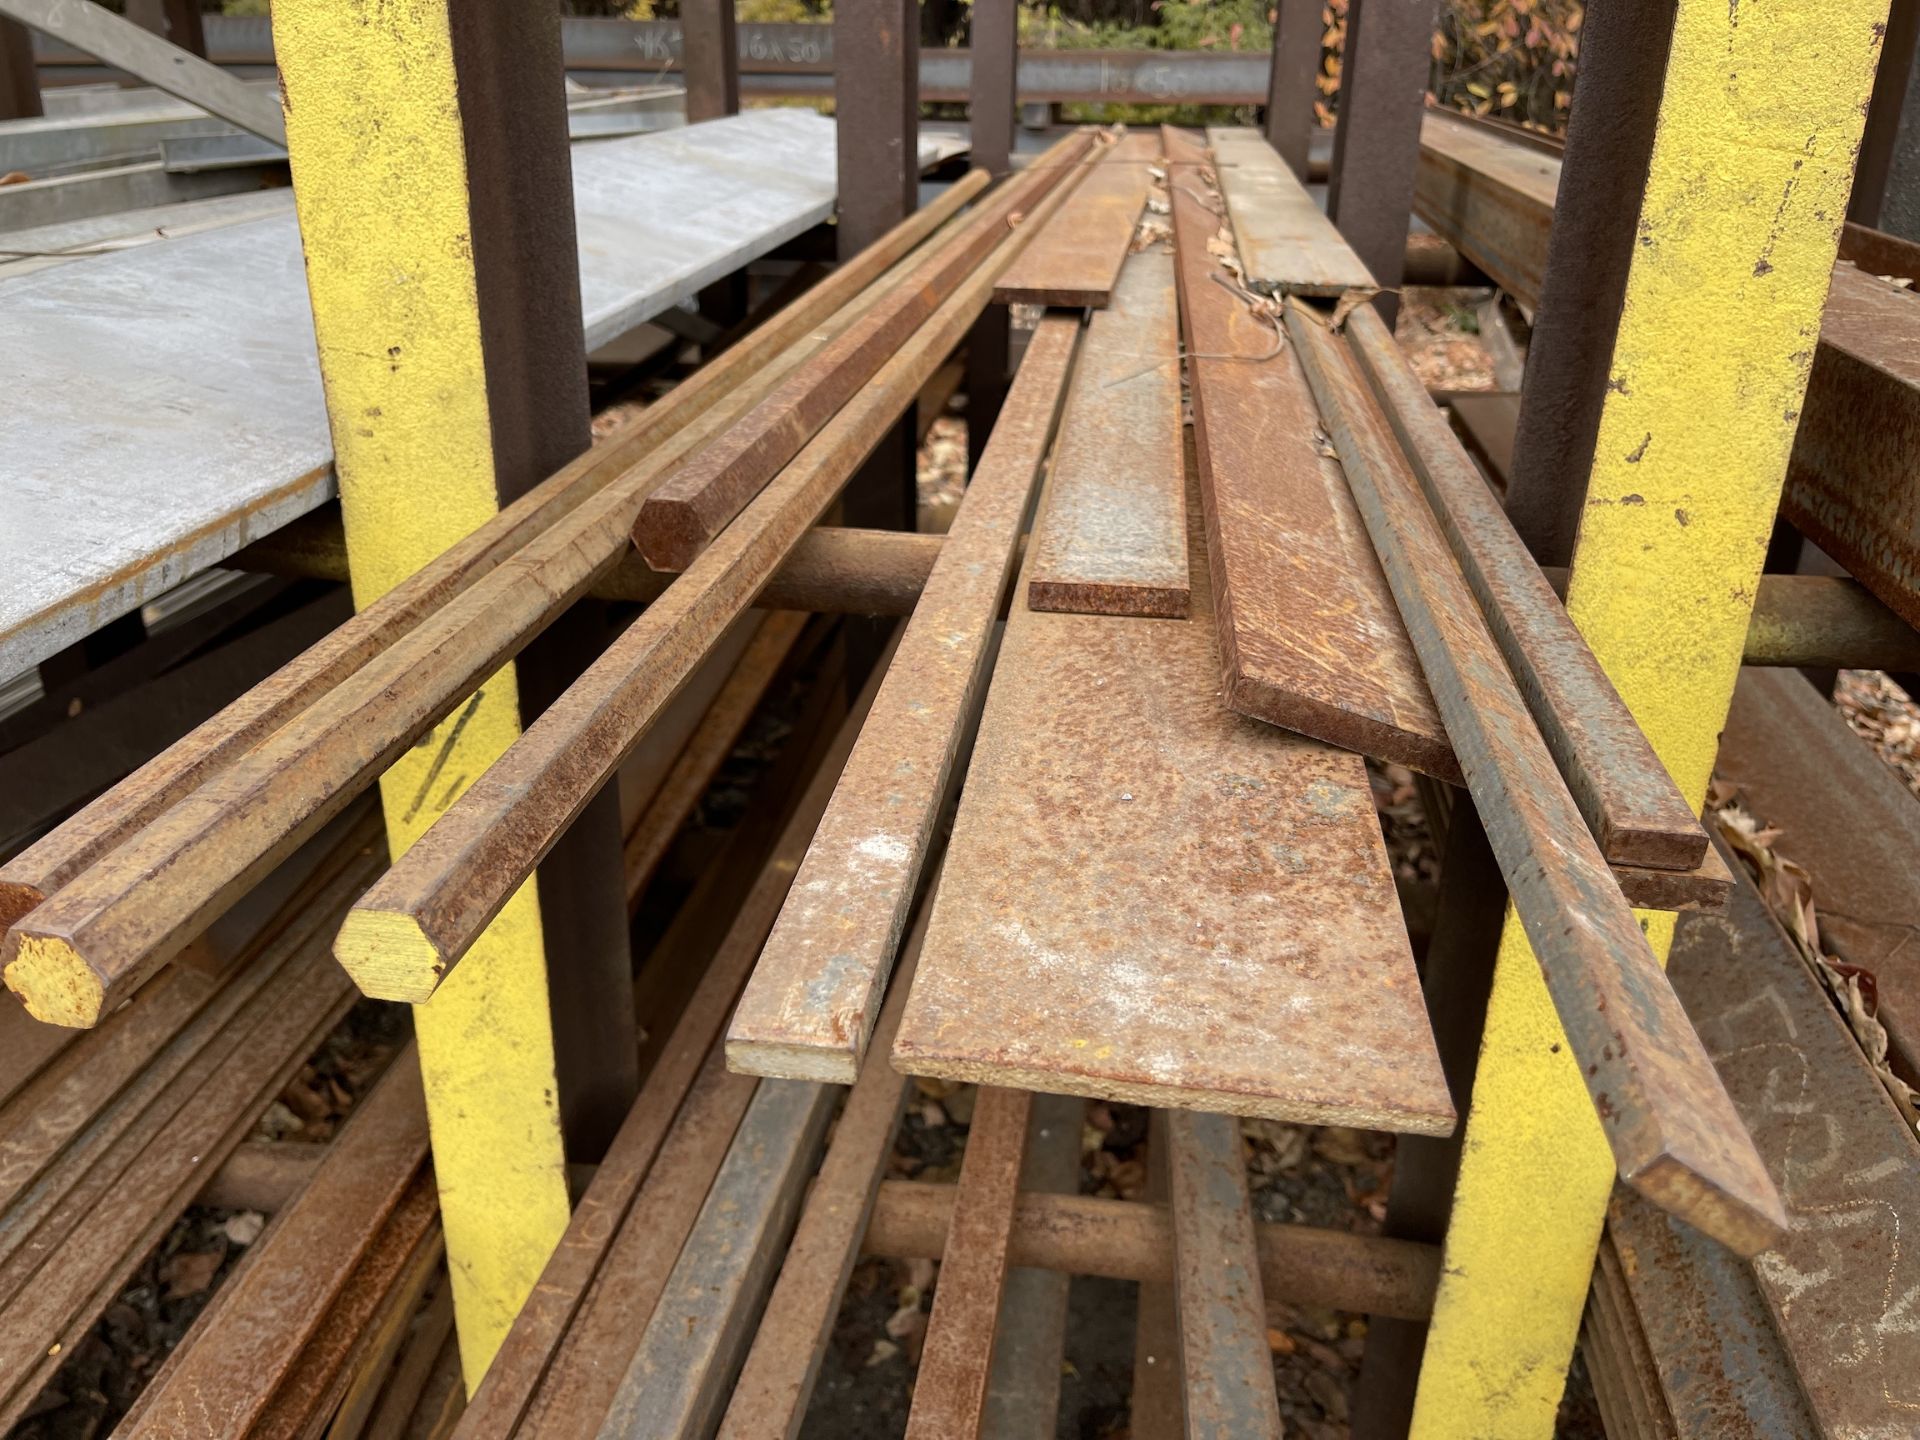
<point x="382" y="186"/>
<point x="1738" y="230"/>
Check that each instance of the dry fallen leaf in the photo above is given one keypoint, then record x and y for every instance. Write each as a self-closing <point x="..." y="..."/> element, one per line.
<point x="190" y="1271"/>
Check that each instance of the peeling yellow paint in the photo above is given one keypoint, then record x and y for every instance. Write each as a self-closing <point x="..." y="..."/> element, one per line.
<point x="1739" y="226"/>
<point x="380" y="183"/>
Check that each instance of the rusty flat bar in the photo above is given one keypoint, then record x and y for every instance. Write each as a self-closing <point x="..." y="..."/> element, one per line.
<point x="1287" y="243"/>
<point x="1309" y="637"/>
<point x="950" y="1389"/>
<point x="1147" y="897"/>
<point x="598" y="1236"/>
<point x="1115" y="538"/>
<point x="811" y="1003"/>
<point x="115" y="817"/>
<point x="776" y="1382"/>
<point x="1675" y="1135"/>
<point x="676" y="1383"/>
<point x="1133" y="1240"/>
<point x="224" y="1372"/>
<point x="681" y="518"/>
<point x="1075" y="262"/>
<point x="408" y="931"/>
<point x="1222" y="1313"/>
<point x="1631" y="805"/>
<point x="1847" y="1164"/>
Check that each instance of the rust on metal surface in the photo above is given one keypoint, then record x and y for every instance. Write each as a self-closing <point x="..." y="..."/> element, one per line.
<point x="1675" y="1135"/>
<point x="1309" y="637"/>
<point x="811" y="1003"/>
<point x="428" y="910"/>
<point x="1705" y="887"/>
<point x="1288" y="246"/>
<point x="223" y="1374"/>
<point x="1631" y="805"/>
<point x="950" y="1389"/>
<point x="1790" y="756"/>
<point x="1842" y="1282"/>
<point x="115" y="817"/>
<point x="625" y="1177"/>
<point x="1150" y="898"/>
<point x="1075" y="261"/>
<point x="1492" y="197"/>
<point x="770" y="1397"/>
<point x="681" y="518"/>
<point x="1222" y="1312"/>
<point x="1129" y="1240"/>
<point x="1114" y="537"/>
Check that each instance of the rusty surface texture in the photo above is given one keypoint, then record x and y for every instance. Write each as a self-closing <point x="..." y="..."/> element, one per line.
<point x="223" y="1374"/>
<point x="1076" y="260"/>
<point x="1230" y="1392"/>
<point x="1114" y="538"/>
<point x="1791" y="758"/>
<point x="681" y="518"/>
<point x="1309" y="637"/>
<point x="1150" y="898"/>
<point x="676" y="1383"/>
<point x="1128" y="1240"/>
<point x="1717" y="1367"/>
<point x="1674" y="1134"/>
<point x="1827" y="622"/>
<point x="400" y="1260"/>
<point x="1850" y="481"/>
<point x="176" y="772"/>
<point x="811" y="1003"/>
<point x="625" y="1178"/>
<point x="950" y="1389"/>
<point x="1630" y="803"/>
<point x="770" y="1397"/>
<point x="1706" y="887"/>
<point x="1287" y="244"/>
<point x="1492" y="197"/>
<point x="1842" y="1284"/>
<point x="442" y="893"/>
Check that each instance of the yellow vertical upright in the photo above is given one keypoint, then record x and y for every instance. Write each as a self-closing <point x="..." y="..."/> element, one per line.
<point x="1752" y="162"/>
<point x="381" y="187"/>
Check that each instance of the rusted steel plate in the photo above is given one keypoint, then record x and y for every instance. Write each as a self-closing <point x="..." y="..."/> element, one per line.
<point x="770" y="1397"/>
<point x="1674" y="1134"/>
<point x="1215" y="897"/>
<point x="224" y="1372"/>
<point x="677" y="1380"/>
<point x="598" y="1234"/>
<point x="1718" y="1363"/>
<point x="1309" y="637"/>
<point x="1847" y="818"/>
<point x="1625" y="1382"/>
<point x="1631" y="804"/>
<point x="1492" y="197"/>
<point x="1075" y="261"/>
<point x="1843" y="1282"/>
<point x="399" y="1261"/>
<point x="54" y="860"/>
<point x="428" y="910"/>
<point x="1127" y="1240"/>
<point x="950" y="1390"/>
<point x="1287" y="243"/>
<point x="1230" y="1393"/>
<point x="681" y="518"/>
<point x="811" y="1003"/>
<point x="1114" y="538"/>
<point x="26" y="1046"/>
<point x="1850" y="482"/>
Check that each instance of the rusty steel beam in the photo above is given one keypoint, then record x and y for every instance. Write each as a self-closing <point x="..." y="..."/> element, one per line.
<point x="709" y="37"/>
<point x="1630" y="803"/>
<point x="811" y="1004"/>
<point x="1674" y="1133"/>
<point x="683" y="515"/>
<point x="1291" y="89"/>
<point x="1133" y="1240"/>
<point x="424" y="915"/>
<point x="97" y="940"/>
<point x="217" y="745"/>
